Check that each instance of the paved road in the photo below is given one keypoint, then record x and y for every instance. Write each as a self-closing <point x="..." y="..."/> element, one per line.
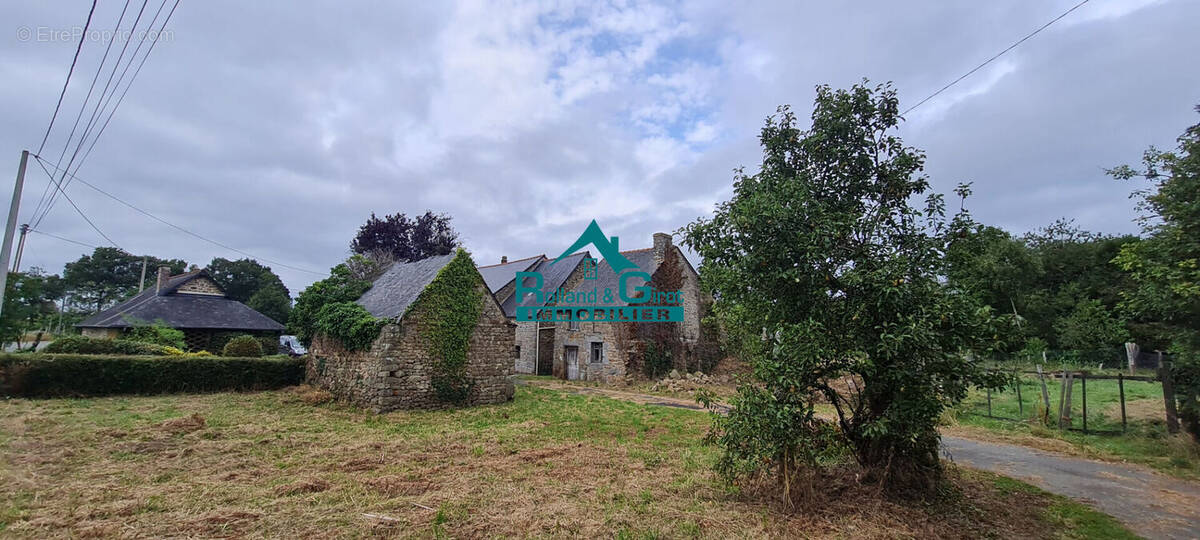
<point x="1150" y="504"/>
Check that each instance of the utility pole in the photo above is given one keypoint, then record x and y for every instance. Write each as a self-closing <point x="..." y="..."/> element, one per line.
<point x="142" y="282"/>
<point x="10" y="228"/>
<point x="20" y="248"/>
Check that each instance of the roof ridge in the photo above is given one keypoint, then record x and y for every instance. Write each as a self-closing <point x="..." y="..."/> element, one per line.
<point x="637" y="250"/>
<point x="513" y="261"/>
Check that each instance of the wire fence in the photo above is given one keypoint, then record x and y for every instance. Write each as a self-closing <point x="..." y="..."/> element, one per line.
<point x="1092" y="403"/>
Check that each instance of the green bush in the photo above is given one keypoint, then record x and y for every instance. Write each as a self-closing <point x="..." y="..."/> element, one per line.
<point x="157" y="334"/>
<point x="657" y="361"/>
<point x="349" y="323"/>
<point x="245" y="346"/>
<point x="43" y="375"/>
<point x="87" y="345"/>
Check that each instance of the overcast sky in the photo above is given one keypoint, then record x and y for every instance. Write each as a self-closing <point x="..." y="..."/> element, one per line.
<point x="277" y="128"/>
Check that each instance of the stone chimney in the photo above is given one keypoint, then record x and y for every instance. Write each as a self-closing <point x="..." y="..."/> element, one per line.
<point x="662" y="243"/>
<point x="164" y="274"/>
<point x="503" y="259"/>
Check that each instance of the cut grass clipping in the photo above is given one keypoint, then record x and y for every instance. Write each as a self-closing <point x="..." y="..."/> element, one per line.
<point x="545" y="464"/>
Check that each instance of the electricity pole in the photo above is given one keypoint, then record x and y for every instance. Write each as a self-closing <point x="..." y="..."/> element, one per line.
<point x="10" y="228"/>
<point x="20" y="248"/>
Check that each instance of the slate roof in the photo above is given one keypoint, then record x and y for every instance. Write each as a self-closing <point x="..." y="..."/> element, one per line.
<point x="607" y="279"/>
<point x="182" y="310"/>
<point x="553" y="277"/>
<point x="498" y="275"/>
<point x="392" y="293"/>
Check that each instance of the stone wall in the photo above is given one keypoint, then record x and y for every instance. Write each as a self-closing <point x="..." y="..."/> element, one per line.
<point x="101" y="333"/>
<point x="526" y="339"/>
<point x="201" y="285"/>
<point x="396" y="371"/>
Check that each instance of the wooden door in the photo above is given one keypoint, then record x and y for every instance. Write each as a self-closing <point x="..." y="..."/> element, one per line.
<point x="572" y="360"/>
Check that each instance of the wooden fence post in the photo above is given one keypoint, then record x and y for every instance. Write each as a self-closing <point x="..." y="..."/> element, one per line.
<point x="1020" y="404"/>
<point x="1168" y="388"/>
<point x="1045" y="395"/>
<point x="1064" y="418"/>
<point x="1121" y="389"/>
<point x="1083" y="382"/>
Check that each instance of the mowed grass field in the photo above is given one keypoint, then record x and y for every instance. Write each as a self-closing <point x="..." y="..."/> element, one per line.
<point x="1144" y="441"/>
<point x="548" y="464"/>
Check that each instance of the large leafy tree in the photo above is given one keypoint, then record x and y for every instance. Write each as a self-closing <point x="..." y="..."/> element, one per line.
<point x="1166" y="264"/>
<point x="110" y="274"/>
<point x="405" y="239"/>
<point x="247" y="281"/>
<point x="341" y="286"/>
<point x="28" y="303"/>
<point x="821" y="261"/>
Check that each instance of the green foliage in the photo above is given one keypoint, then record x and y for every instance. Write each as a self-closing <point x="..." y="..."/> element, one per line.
<point x="350" y="324"/>
<point x="1091" y="326"/>
<point x="43" y="375"/>
<point x="822" y="269"/>
<point x="447" y="312"/>
<point x="110" y="274"/>
<point x="340" y="286"/>
<point x="1166" y="265"/>
<point x="157" y="334"/>
<point x="243" y="346"/>
<point x="253" y="284"/>
<point x="87" y="345"/>
<point x="29" y="303"/>
<point x="656" y="360"/>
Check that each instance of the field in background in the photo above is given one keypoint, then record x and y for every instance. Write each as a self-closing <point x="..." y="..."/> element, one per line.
<point x="1144" y="440"/>
<point x="547" y="464"/>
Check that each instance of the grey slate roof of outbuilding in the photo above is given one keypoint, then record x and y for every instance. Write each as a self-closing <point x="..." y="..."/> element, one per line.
<point x="182" y="310"/>
<point x="498" y="275"/>
<point x="553" y="277"/>
<point x="392" y="293"/>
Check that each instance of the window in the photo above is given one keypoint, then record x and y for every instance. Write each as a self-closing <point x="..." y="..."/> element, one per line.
<point x="518" y="351"/>
<point x="597" y="352"/>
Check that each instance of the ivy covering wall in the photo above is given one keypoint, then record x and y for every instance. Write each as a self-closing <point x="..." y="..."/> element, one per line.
<point x="447" y="311"/>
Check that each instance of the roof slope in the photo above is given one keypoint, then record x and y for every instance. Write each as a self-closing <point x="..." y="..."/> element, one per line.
<point x="498" y="275"/>
<point x="606" y="278"/>
<point x="553" y="277"/>
<point x="392" y="293"/>
<point x="181" y="310"/>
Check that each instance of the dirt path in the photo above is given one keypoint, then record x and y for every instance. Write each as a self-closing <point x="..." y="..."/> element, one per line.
<point x="1150" y="504"/>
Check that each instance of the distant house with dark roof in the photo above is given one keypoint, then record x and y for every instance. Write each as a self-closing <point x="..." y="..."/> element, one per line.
<point x="191" y="302"/>
<point x="396" y="371"/>
<point x="587" y="350"/>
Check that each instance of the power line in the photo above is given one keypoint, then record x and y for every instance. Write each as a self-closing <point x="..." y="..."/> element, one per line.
<point x="998" y="55"/>
<point x="46" y="193"/>
<point x="77" y="209"/>
<point x="74" y="59"/>
<point x="103" y="104"/>
<point x="177" y="227"/>
<point x="131" y="79"/>
<point x="64" y="239"/>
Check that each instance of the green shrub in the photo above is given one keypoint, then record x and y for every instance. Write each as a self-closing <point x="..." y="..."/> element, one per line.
<point x="157" y="334"/>
<point x="450" y="305"/>
<point x="43" y="375"/>
<point x="87" y="345"/>
<point x="245" y="346"/>
<point x="349" y="323"/>
<point x="656" y="361"/>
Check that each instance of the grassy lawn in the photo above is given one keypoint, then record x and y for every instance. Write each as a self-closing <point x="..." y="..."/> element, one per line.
<point x="546" y="464"/>
<point x="1145" y="440"/>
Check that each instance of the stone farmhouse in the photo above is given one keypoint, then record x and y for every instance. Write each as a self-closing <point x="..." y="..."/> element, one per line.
<point x="191" y="302"/>
<point x="396" y="370"/>
<point x="585" y="350"/>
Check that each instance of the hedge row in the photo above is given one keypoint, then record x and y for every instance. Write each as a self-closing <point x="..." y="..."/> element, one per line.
<point x="47" y="375"/>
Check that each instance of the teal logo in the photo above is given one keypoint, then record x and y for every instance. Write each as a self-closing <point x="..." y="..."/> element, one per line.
<point x="597" y="301"/>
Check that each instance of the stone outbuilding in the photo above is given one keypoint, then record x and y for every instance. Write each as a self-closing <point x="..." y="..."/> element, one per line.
<point x="587" y="350"/>
<point x="191" y="302"/>
<point x="397" y="370"/>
